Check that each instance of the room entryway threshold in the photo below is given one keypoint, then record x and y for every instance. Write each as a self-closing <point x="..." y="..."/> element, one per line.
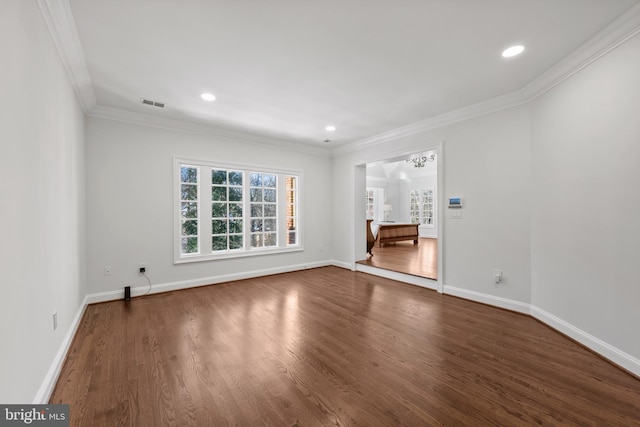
<point x="401" y="277"/>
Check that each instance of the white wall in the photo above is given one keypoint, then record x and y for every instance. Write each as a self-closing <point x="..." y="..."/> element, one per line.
<point x="42" y="215"/>
<point x="486" y="161"/>
<point x="394" y="198"/>
<point x="130" y="211"/>
<point x="391" y="191"/>
<point x="585" y="226"/>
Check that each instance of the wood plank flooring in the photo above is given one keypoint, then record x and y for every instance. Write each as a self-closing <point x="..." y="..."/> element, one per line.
<point x="330" y="346"/>
<point x="405" y="257"/>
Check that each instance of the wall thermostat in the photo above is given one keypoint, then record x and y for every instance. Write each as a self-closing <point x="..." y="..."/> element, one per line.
<point x="455" y="202"/>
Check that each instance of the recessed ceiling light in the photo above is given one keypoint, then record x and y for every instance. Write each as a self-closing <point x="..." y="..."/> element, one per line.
<point x="330" y="128"/>
<point x="208" y="96"/>
<point x="513" y="51"/>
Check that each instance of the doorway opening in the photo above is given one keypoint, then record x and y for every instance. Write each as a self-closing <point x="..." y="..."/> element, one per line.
<point x="402" y="208"/>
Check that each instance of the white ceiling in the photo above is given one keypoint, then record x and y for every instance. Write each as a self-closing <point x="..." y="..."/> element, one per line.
<point x="285" y="69"/>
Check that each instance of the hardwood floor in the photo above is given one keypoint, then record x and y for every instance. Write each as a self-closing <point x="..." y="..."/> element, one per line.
<point x="330" y="346"/>
<point x="405" y="257"/>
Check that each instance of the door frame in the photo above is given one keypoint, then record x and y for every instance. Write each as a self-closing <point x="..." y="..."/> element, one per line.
<point x="358" y="178"/>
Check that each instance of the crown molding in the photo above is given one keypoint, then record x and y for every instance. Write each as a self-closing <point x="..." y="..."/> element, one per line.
<point x="622" y="29"/>
<point x="479" y="109"/>
<point x="137" y="118"/>
<point x="59" y="20"/>
<point x="625" y="27"/>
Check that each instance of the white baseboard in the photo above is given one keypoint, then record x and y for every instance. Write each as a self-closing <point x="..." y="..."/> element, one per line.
<point x="615" y="355"/>
<point x="401" y="277"/>
<point x="49" y="382"/>
<point x="495" y="301"/>
<point x="341" y="264"/>
<point x="203" y="281"/>
<point x="609" y="352"/>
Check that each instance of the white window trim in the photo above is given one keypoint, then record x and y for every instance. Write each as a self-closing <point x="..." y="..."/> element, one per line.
<point x="178" y="258"/>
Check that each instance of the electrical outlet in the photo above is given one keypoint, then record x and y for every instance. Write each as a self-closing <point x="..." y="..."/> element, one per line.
<point x="55" y="321"/>
<point x="107" y="270"/>
<point x="142" y="267"/>
<point x="497" y="275"/>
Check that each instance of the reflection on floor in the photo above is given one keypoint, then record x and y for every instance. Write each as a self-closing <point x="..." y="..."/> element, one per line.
<point x="405" y="257"/>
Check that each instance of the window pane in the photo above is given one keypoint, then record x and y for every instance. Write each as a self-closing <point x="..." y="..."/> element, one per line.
<point x="257" y="240"/>
<point x="219" y="226"/>
<point x="235" y="178"/>
<point x="256" y="225"/>
<point x="235" y="194"/>
<point x="269" y="181"/>
<point x="218" y="210"/>
<point x="269" y="210"/>
<point x="189" y="192"/>
<point x="269" y="225"/>
<point x="219" y="243"/>
<point x="292" y="210"/>
<point x="256" y="194"/>
<point x="189" y="227"/>
<point x="189" y="245"/>
<point x="235" y="210"/>
<point x="256" y="210"/>
<point x="189" y="210"/>
<point x="219" y="193"/>
<point x="235" y="226"/>
<point x="270" y="239"/>
<point x="218" y="177"/>
<point x="188" y="174"/>
<point x="256" y="180"/>
<point x="270" y="196"/>
<point x="291" y="238"/>
<point x="235" y="242"/>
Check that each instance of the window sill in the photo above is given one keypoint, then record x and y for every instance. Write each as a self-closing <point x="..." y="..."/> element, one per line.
<point x="230" y="255"/>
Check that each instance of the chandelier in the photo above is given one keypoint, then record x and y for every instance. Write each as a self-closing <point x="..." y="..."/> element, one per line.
<point x="419" y="162"/>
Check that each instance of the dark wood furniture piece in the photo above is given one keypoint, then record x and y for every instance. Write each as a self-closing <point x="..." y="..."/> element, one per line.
<point x="371" y="239"/>
<point x="388" y="233"/>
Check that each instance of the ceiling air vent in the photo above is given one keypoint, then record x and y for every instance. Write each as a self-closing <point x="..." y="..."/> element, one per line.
<point x="152" y="103"/>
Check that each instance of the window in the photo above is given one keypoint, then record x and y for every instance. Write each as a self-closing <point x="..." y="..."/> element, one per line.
<point x="371" y="203"/>
<point x="374" y="199"/>
<point x="189" y="209"/>
<point x="227" y="211"/>
<point x="264" y="199"/>
<point x="421" y="207"/>
<point x="414" y="206"/>
<point x="291" y="186"/>
<point x="427" y="207"/>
